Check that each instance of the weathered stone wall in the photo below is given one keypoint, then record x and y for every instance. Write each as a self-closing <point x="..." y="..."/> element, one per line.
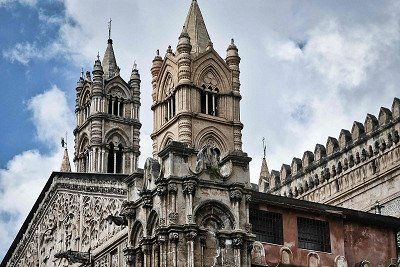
<point x="360" y="170"/>
<point x="71" y="216"/>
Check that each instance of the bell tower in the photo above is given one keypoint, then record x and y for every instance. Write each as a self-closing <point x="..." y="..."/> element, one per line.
<point x="196" y="93"/>
<point x="107" y="116"/>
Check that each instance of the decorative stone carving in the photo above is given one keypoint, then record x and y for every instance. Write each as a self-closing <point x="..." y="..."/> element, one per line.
<point x="236" y="195"/>
<point x="207" y="159"/>
<point x="151" y="171"/>
<point x="117" y="220"/>
<point x="313" y="260"/>
<point x="190" y="236"/>
<point x="74" y="256"/>
<point x="286" y="255"/>
<point x="174" y="237"/>
<point x="189" y="187"/>
<point x="258" y="254"/>
<point x="172" y="188"/>
<point x="173" y="217"/>
<point x="340" y="261"/>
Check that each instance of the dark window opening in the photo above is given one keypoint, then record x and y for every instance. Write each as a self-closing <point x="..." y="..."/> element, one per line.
<point x="121" y="109"/>
<point x="119" y="159"/>
<point x="110" y="159"/>
<point x="313" y="234"/>
<point x="203" y="101"/>
<point x="209" y="102"/>
<point x="267" y="226"/>
<point x="109" y="106"/>
<point x="115" y="108"/>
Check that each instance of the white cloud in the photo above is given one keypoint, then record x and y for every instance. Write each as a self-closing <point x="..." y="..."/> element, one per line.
<point x="25" y="175"/>
<point x="22" y="53"/>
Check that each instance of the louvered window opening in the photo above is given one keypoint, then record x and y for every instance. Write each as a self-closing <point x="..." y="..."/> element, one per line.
<point x="313" y="234"/>
<point x="267" y="226"/>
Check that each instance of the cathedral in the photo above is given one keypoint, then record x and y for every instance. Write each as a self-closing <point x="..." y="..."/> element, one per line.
<point x="192" y="203"/>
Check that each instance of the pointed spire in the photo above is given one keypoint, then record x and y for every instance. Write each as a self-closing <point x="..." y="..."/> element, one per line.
<point x="65" y="165"/>
<point x="196" y="29"/>
<point x="110" y="66"/>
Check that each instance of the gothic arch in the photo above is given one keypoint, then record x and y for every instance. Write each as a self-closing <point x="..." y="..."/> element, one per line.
<point x="118" y="84"/>
<point x="210" y="79"/>
<point x="211" y="134"/>
<point x="116" y="133"/>
<point x="152" y="223"/>
<point x="137" y="233"/>
<point x="168" y="137"/>
<point x="219" y="68"/>
<point x="85" y="96"/>
<point x="84" y="142"/>
<point x="167" y="72"/>
<point x="214" y="214"/>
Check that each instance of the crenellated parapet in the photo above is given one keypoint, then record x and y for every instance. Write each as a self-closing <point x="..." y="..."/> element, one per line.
<point x="366" y="153"/>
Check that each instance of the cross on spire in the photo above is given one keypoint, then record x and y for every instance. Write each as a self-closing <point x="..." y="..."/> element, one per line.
<point x="264" y="146"/>
<point x="64" y="141"/>
<point x="109" y="29"/>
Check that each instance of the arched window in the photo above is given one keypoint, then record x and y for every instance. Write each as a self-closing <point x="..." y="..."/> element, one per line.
<point x="116" y="106"/>
<point x="170" y="107"/>
<point x="110" y="161"/>
<point x="209" y="100"/>
<point x="114" y="160"/>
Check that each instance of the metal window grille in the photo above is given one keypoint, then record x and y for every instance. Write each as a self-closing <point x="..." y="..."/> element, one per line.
<point x="313" y="234"/>
<point x="267" y="226"/>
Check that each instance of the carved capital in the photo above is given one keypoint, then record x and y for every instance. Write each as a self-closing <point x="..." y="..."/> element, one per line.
<point x="174" y="237"/>
<point x="147" y="199"/>
<point x="172" y="188"/>
<point x="130" y="255"/>
<point x="189" y="187"/>
<point x="161" y="190"/>
<point x="173" y="217"/>
<point x="191" y="236"/>
<point x="236" y="195"/>
<point x="248" y="227"/>
<point x="237" y="242"/>
<point x="128" y="209"/>
<point x="162" y="239"/>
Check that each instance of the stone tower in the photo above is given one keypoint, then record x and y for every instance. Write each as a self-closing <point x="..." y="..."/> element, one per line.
<point x="190" y="206"/>
<point x="196" y="93"/>
<point x="107" y="115"/>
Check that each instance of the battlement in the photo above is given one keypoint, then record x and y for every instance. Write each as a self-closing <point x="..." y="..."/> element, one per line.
<point x="371" y="148"/>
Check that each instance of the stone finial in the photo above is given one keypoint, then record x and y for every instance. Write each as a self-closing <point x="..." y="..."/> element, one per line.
<point x="319" y="152"/>
<point x="385" y="116"/>
<point x="308" y="158"/>
<point x="370" y="124"/>
<point x="65" y="165"/>
<point x="357" y="131"/>
<point x="332" y="145"/>
<point x="344" y="138"/>
<point x="396" y="108"/>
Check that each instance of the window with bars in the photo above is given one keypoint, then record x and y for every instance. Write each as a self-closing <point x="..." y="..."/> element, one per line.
<point x="267" y="226"/>
<point x="313" y="234"/>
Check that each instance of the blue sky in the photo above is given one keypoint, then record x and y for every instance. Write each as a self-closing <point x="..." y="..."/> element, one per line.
<point x="308" y="69"/>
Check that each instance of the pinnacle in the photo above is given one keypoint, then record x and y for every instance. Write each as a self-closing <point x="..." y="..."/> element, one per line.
<point x="65" y="165"/>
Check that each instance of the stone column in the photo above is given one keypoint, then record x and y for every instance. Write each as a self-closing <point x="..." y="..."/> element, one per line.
<point x="119" y="107"/>
<point x="123" y="162"/>
<point x="173" y="241"/>
<point x="112" y="106"/>
<point x="189" y="190"/>
<point x="237" y="244"/>
<point x="206" y="102"/>
<point x="236" y="196"/>
<point x="162" y="240"/>
<point x="115" y="160"/>
<point x="190" y="237"/>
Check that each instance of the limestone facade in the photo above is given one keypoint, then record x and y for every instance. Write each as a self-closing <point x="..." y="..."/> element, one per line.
<point x="359" y="170"/>
<point x="107" y="132"/>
